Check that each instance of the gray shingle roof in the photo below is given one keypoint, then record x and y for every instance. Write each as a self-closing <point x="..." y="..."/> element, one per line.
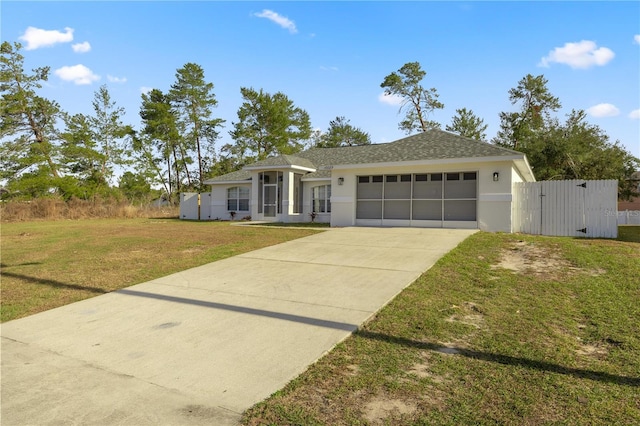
<point x="319" y="174"/>
<point x="283" y="161"/>
<point x="231" y="177"/>
<point x="438" y="144"/>
<point x="429" y="145"/>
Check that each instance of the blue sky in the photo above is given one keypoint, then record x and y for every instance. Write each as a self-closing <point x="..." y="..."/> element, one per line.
<point x="330" y="57"/>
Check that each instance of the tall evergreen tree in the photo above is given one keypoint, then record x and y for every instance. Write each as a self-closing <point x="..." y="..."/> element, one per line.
<point x="573" y="149"/>
<point x="417" y="101"/>
<point x="81" y="156"/>
<point x="467" y="124"/>
<point x="193" y="99"/>
<point x="268" y="124"/>
<point x="27" y="125"/>
<point x="341" y="133"/>
<point x="135" y="187"/>
<point x="536" y="105"/>
<point x="109" y="132"/>
<point x="160" y="144"/>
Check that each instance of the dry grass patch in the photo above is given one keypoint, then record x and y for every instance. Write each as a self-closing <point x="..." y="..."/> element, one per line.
<point x="526" y="257"/>
<point x="382" y="409"/>
<point x="52" y="208"/>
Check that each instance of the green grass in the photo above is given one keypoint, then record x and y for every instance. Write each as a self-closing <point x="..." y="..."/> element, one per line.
<point x="556" y="341"/>
<point x="629" y="233"/>
<point x="46" y="264"/>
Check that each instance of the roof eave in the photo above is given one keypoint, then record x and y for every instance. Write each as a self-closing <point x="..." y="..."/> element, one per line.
<point x="224" y="182"/>
<point x="438" y="161"/>
<point x="281" y="167"/>
<point x="525" y="169"/>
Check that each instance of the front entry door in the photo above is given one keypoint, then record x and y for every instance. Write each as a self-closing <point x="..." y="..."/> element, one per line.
<point x="270" y="197"/>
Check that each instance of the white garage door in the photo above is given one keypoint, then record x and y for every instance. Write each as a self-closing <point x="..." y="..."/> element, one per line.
<point x="418" y="199"/>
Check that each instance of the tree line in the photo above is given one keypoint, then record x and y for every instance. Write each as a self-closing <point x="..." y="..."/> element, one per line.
<point x="45" y="151"/>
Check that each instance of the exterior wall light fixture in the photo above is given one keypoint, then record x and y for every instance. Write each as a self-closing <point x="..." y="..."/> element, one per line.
<point x="496" y="176"/>
<point x="340" y="180"/>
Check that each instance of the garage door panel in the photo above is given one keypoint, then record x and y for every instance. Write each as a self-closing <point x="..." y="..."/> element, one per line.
<point x="464" y="210"/>
<point x="397" y="209"/>
<point x="460" y="189"/>
<point x="427" y="210"/>
<point x="431" y="190"/>
<point x="370" y="190"/>
<point x="369" y="210"/>
<point x="397" y="190"/>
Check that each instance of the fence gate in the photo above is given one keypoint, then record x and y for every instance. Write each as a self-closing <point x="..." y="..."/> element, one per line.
<point x="194" y="206"/>
<point x="573" y="208"/>
<point x="189" y="206"/>
<point x="205" y="206"/>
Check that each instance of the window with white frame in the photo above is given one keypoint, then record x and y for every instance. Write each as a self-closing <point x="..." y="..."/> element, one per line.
<point x="321" y="202"/>
<point x="238" y="199"/>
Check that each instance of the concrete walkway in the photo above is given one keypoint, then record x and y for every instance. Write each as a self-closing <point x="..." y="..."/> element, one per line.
<point x="203" y="345"/>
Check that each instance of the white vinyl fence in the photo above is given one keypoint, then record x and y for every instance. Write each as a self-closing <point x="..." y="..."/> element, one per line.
<point x="629" y="217"/>
<point x="574" y="208"/>
<point x="194" y="206"/>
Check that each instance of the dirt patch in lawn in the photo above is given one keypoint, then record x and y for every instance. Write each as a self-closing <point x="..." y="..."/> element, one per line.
<point x="381" y="409"/>
<point x="467" y="313"/>
<point x="523" y="257"/>
<point x="592" y="350"/>
<point x="422" y="369"/>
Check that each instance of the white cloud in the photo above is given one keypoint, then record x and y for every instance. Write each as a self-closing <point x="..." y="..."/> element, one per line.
<point x="36" y="37"/>
<point x="636" y="39"/>
<point x="145" y="89"/>
<point x="323" y="68"/>
<point x="635" y="114"/>
<point x="393" y="100"/>
<point x="113" y="79"/>
<point x="583" y="54"/>
<point x="603" y="110"/>
<point x="83" y="47"/>
<point x="283" y="21"/>
<point x="79" y="74"/>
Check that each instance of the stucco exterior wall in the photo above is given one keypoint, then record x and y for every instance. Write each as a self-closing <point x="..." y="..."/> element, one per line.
<point x="288" y="206"/>
<point x="515" y="178"/>
<point x="494" y="197"/>
<point x="219" y="202"/>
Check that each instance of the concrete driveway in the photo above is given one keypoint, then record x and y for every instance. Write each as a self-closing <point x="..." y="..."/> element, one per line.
<point x="203" y="345"/>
